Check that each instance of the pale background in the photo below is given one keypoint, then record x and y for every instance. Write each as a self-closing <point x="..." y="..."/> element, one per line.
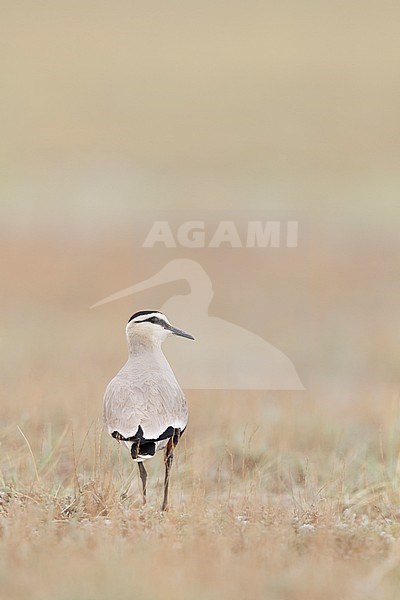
<point x="111" y="108"/>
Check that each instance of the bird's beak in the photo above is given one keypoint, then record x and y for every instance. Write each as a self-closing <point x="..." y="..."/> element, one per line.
<point x="181" y="333"/>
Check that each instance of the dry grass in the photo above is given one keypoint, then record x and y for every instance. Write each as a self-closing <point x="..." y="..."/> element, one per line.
<point x="306" y="506"/>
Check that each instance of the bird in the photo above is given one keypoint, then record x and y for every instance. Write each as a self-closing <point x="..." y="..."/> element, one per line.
<point x="144" y="406"/>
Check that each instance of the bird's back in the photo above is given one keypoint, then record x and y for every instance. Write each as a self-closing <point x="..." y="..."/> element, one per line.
<point x="145" y="393"/>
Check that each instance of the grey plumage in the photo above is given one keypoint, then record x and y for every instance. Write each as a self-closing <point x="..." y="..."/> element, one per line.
<point x="144" y="406"/>
<point x="145" y="392"/>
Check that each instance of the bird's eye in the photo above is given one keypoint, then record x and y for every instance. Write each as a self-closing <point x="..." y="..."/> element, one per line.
<point x="154" y="320"/>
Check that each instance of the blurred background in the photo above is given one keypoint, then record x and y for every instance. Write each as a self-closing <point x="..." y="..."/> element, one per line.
<point x="110" y="111"/>
<point x="107" y="111"/>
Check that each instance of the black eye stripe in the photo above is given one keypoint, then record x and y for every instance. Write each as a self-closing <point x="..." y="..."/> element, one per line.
<point x="154" y="320"/>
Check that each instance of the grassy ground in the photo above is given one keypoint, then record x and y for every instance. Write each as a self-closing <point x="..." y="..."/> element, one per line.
<point x="305" y="505"/>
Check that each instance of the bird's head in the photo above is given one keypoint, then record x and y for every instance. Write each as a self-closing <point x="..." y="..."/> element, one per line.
<point x="151" y="327"/>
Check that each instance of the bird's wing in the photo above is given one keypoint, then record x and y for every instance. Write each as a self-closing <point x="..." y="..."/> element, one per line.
<point x="154" y="405"/>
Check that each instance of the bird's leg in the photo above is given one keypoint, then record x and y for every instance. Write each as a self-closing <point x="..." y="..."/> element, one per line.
<point x="143" y="477"/>
<point x="168" y="464"/>
<point x="169" y="456"/>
